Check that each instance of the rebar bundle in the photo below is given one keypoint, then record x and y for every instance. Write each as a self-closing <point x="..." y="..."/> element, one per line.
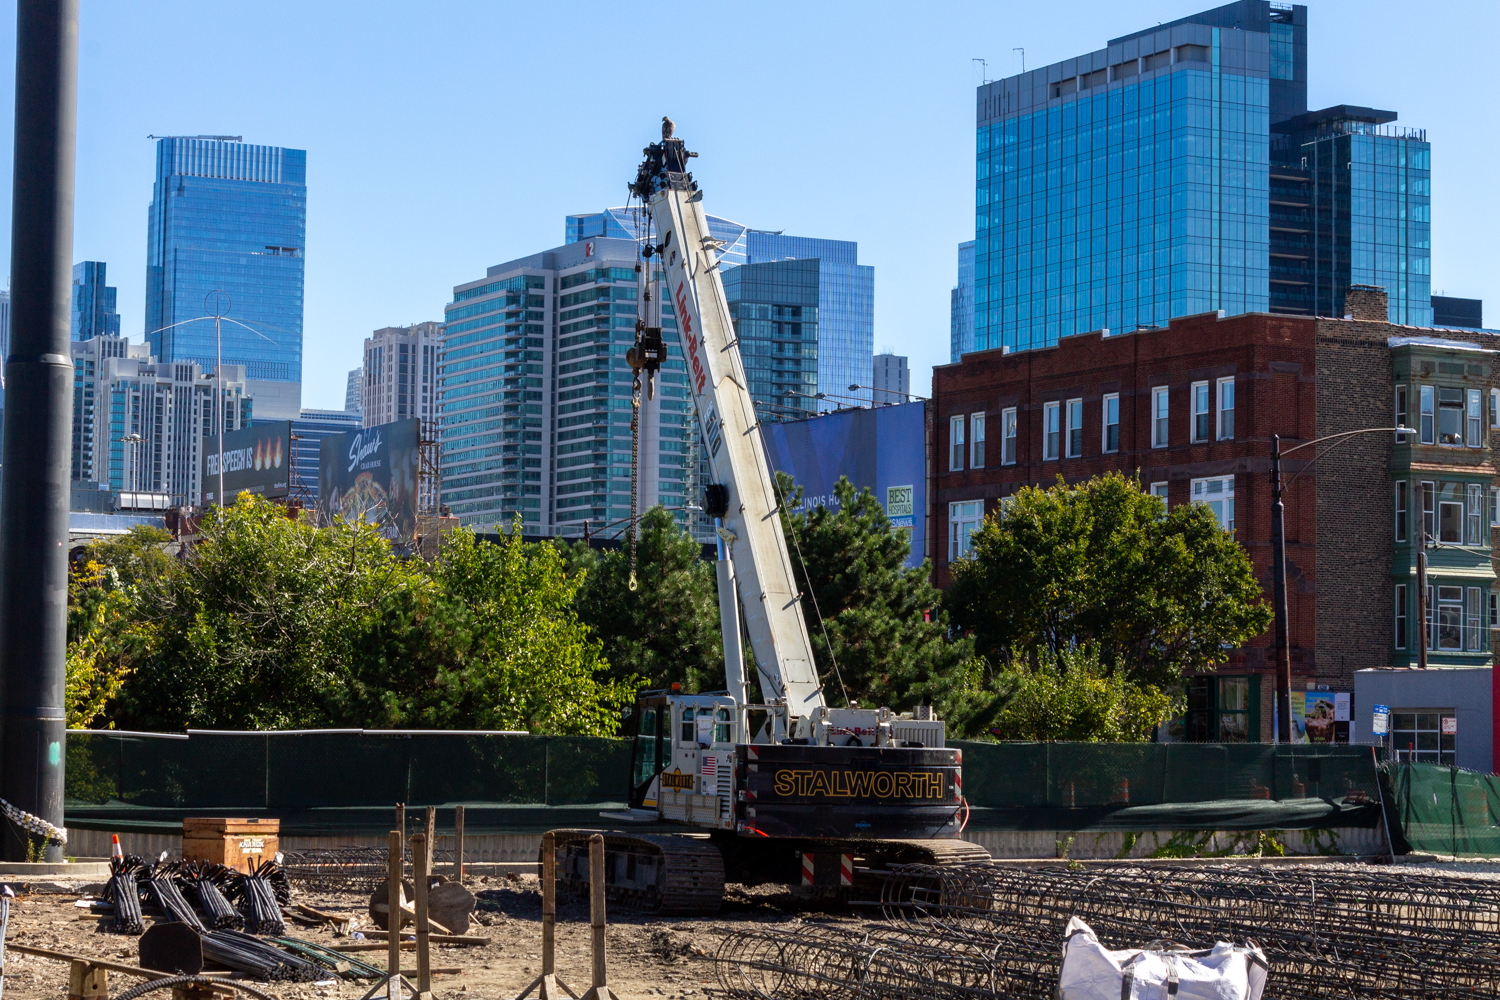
<point x="125" y="894"/>
<point x="985" y="931"/>
<point x="265" y="962"/>
<point x="341" y="869"/>
<point x="161" y="888"/>
<point x="204" y="883"/>
<point x="347" y="965"/>
<point x="260" y="895"/>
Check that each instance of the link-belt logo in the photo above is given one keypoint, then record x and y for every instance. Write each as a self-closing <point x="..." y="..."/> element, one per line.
<point x="700" y="375"/>
<point x="862" y="784"/>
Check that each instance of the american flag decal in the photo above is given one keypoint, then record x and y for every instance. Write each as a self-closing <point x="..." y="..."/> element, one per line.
<point x="710" y="769"/>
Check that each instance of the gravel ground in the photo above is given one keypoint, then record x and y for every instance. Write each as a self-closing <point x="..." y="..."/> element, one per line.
<point x="669" y="958"/>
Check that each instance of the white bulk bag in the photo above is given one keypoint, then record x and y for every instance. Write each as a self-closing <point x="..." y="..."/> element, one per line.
<point x="1091" y="971"/>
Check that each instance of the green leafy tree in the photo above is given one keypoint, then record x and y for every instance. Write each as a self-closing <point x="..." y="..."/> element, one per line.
<point x="1072" y="696"/>
<point x="876" y="623"/>
<point x="1158" y="592"/>
<point x="665" y="630"/>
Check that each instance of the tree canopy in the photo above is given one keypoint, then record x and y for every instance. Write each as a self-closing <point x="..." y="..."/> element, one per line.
<point x="270" y="622"/>
<point x="877" y="625"/>
<point x="1156" y="592"/>
<point x="665" y="630"/>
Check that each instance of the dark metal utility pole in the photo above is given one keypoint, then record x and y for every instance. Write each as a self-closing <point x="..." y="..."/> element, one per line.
<point x="1278" y="577"/>
<point x="38" y="425"/>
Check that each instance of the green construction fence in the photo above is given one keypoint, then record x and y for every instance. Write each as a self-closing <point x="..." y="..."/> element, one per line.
<point x="1443" y="810"/>
<point x="344" y="782"/>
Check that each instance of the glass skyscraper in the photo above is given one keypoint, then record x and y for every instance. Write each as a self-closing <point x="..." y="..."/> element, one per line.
<point x="961" y="305"/>
<point x="1135" y="183"/>
<point x="777" y="318"/>
<point x="230" y="216"/>
<point x="93" y="303"/>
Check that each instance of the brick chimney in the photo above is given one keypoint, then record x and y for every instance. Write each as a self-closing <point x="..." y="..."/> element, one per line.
<point x="1366" y="302"/>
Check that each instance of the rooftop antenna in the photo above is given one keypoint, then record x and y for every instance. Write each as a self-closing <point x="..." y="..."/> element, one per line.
<point x="1023" y="57"/>
<point x="984" y="70"/>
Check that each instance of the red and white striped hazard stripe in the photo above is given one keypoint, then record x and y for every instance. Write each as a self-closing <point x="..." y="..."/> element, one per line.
<point x="846" y="869"/>
<point x="807" y="868"/>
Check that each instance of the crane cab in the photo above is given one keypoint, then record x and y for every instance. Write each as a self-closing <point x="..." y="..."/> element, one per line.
<point x="682" y="763"/>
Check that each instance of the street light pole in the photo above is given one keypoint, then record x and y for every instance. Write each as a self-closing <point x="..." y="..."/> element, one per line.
<point x="221" y="302"/>
<point x="1278" y="571"/>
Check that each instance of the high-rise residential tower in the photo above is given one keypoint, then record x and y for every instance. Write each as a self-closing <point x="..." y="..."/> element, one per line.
<point x="400" y="374"/>
<point x="1178" y="171"/>
<point x="835" y="328"/>
<point x="94" y="312"/>
<point x="354" y="390"/>
<point x="230" y="216"/>
<point x="892" y="380"/>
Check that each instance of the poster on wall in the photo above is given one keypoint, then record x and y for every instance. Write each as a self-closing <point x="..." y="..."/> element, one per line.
<point x="881" y="449"/>
<point x="257" y="460"/>
<point x="371" y="474"/>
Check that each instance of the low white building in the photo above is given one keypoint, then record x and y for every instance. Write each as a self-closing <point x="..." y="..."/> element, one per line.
<point x="1441" y="715"/>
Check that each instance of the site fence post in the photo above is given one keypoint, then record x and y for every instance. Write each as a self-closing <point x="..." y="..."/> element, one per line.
<point x="458" y="844"/>
<point x="419" y="848"/>
<point x="393" y="917"/>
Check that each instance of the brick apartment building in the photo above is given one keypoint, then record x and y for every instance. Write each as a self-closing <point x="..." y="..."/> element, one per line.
<point x="1191" y="409"/>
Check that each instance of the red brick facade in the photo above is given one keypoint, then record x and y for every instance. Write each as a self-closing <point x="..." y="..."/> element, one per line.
<point x="1272" y="361"/>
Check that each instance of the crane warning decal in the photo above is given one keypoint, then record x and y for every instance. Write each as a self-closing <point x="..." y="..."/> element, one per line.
<point x="863" y="784"/>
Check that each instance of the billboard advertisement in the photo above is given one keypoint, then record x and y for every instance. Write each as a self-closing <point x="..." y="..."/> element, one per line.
<point x="371" y="473"/>
<point x="883" y="449"/>
<point x="257" y="460"/>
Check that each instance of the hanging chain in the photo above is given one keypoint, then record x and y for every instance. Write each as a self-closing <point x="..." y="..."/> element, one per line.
<point x="635" y="466"/>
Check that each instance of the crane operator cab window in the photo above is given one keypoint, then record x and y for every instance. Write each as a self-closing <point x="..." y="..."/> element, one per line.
<point x="723" y="726"/>
<point x="687" y="734"/>
<point x="649" y="752"/>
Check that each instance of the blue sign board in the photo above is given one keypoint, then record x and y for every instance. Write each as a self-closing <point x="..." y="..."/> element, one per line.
<point x="883" y="449"/>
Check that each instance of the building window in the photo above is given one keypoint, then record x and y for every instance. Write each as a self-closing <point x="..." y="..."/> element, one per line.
<point x="1051" y="430"/>
<point x="1400" y="616"/>
<point x="1450" y="515"/>
<point x="1075" y="428"/>
<point x="1495" y="407"/>
<point x="1400" y="510"/>
<point x="1220" y="710"/>
<point x="1111" y="433"/>
<point x="1429" y="514"/>
<point x="1218" y="494"/>
<point x="1450" y="618"/>
<point x="963" y="520"/>
<point x="1474" y="495"/>
<point x="1201" y="414"/>
<point x="1226" y="409"/>
<point x="1008" y="436"/>
<point x="1475" y="419"/>
<point x="1494" y="610"/>
<point x="1429" y="414"/>
<point x="1159" y="411"/>
<point x="956" y="442"/>
<point x="1450" y="416"/>
<point x="1401" y="412"/>
<point x="976" y="449"/>
<point x="1474" y="621"/>
<point x="1419" y="736"/>
<point x="1160" y="490"/>
<point x="1494" y="507"/>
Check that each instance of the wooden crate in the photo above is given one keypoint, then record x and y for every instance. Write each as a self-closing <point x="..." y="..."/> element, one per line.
<point x="235" y="843"/>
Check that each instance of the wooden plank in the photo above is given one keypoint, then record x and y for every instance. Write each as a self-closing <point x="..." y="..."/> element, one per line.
<point x="458" y="844"/>
<point x="419" y="859"/>
<point x="375" y="933"/>
<point x="393" y="914"/>
<point x="103" y="963"/>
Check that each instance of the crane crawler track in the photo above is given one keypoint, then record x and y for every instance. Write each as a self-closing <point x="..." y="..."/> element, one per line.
<point x="662" y="874"/>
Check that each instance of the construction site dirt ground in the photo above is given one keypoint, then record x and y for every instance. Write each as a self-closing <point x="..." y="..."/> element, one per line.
<point x="648" y="957"/>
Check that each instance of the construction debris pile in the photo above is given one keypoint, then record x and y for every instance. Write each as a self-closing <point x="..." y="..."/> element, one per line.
<point x="983" y="930"/>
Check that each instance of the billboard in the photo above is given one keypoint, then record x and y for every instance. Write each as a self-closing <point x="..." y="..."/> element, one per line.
<point x="257" y="460"/>
<point x="371" y="473"/>
<point x="884" y="449"/>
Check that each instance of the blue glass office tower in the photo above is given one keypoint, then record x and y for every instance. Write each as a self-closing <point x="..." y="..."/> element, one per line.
<point x="961" y="305"/>
<point x="844" y="349"/>
<point x="1133" y="184"/>
<point x="93" y="303"/>
<point x="230" y="216"/>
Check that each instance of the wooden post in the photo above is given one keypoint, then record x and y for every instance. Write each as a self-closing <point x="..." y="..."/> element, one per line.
<point x="393" y="915"/>
<point x="87" y="982"/>
<point x="547" y="985"/>
<point x="419" y="881"/>
<point x="458" y="844"/>
<point x="600" y="989"/>
<point x="401" y="819"/>
<point x="429" y="830"/>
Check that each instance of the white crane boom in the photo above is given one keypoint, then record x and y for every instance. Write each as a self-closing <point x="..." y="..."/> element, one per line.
<point x="768" y="592"/>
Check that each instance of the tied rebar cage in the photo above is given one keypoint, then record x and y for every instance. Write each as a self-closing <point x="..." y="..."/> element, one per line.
<point x="981" y="930"/>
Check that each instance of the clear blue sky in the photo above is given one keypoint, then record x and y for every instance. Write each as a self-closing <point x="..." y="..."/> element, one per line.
<point x="444" y="137"/>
